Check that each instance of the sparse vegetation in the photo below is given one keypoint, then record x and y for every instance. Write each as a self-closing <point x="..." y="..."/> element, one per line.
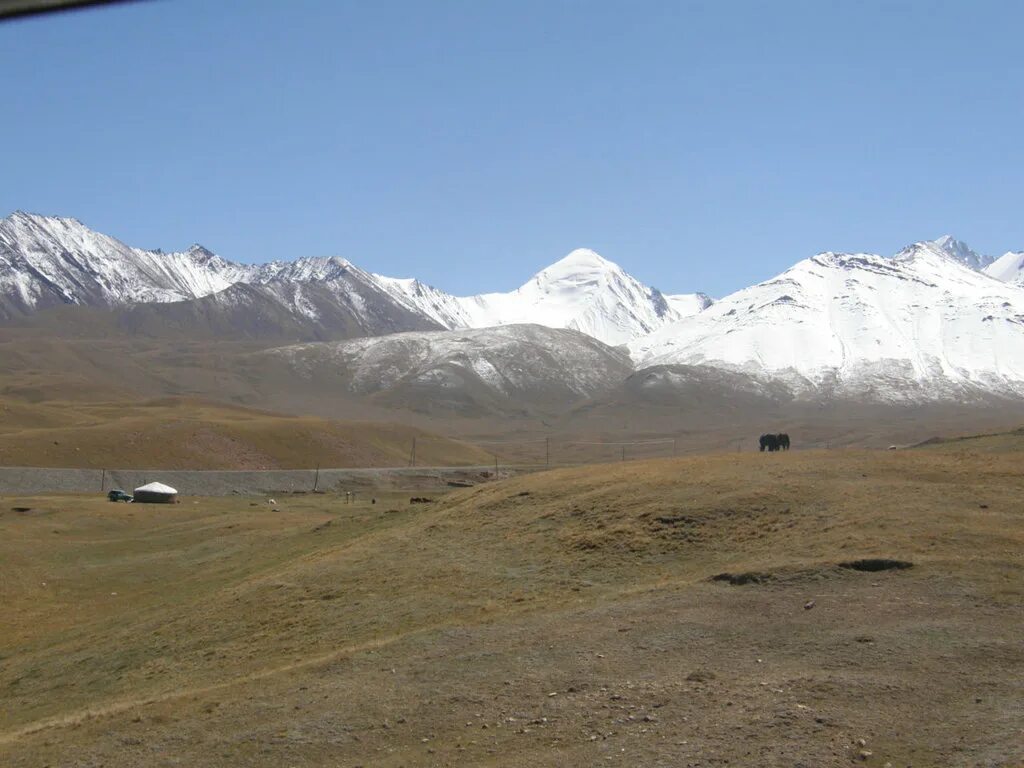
<point x="563" y="618"/>
<point x="186" y="433"/>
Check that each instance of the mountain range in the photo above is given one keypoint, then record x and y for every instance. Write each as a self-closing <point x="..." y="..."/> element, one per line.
<point x="48" y="261"/>
<point x="920" y="324"/>
<point x="936" y="321"/>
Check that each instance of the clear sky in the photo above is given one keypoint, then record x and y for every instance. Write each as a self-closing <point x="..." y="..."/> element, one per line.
<point x="701" y="145"/>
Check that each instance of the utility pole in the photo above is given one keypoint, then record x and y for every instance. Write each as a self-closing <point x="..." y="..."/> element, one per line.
<point x="412" y="460"/>
<point x="547" y="452"/>
<point x="495" y="464"/>
<point x="316" y="478"/>
<point x="103" y="480"/>
<point x="675" y="448"/>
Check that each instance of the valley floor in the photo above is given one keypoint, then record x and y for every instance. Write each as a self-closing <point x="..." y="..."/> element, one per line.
<point x="563" y="618"/>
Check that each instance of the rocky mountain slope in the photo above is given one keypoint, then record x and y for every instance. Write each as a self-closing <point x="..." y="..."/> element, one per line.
<point x="514" y="369"/>
<point x="957" y="250"/>
<point x="48" y="261"/>
<point x="275" y="311"/>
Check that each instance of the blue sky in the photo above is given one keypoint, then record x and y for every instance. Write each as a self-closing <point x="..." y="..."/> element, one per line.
<point x="701" y="145"/>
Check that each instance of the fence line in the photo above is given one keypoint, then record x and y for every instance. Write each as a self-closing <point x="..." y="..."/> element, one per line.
<point x="557" y="451"/>
<point x="618" y="442"/>
<point x="504" y="457"/>
<point x="486" y="442"/>
<point x="38" y="480"/>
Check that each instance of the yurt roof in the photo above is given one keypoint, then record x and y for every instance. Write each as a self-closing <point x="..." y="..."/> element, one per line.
<point x="155" y="488"/>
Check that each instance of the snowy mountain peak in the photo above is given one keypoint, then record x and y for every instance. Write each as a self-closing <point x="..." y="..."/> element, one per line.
<point x="200" y="251"/>
<point x="49" y="260"/>
<point x="582" y="291"/>
<point x="582" y="258"/>
<point x="585" y="256"/>
<point x="579" y="265"/>
<point x="38" y="230"/>
<point x="313" y="269"/>
<point x="42" y="220"/>
<point x="948" y="247"/>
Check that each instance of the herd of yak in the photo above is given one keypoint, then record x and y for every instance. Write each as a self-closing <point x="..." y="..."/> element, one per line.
<point x="772" y="443"/>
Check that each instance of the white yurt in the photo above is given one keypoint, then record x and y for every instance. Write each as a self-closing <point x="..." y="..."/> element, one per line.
<point x="155" y="493"/>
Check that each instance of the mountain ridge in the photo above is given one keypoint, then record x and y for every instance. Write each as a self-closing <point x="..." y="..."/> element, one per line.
<point x="48" y="261"/>
<point x="935" y="320"/>
<point x="861" y="325"/>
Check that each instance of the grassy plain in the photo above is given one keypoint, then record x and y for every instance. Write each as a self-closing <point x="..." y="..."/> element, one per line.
<point x="564" y="618"/>
<point x="187" y="433"/>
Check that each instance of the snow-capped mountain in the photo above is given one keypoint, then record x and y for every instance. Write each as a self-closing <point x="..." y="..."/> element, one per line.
<point x="937" y="320"/>
<point x="1008" y="268"/>
<point x="277" y="310"/>
<point x="957" y="250"/>
<point x="918" y="324"/>
<point x="507" y="368"/>
<point x="444" y="308"/>
<point x="583" y="291"/>
<point x="48" y="261"/>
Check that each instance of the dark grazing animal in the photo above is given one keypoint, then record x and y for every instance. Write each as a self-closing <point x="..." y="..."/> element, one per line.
<point x="769" y="443"/>
<point x="783" y="441"/>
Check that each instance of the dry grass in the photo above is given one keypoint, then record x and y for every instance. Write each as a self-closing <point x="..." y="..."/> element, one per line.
<point x="968" y="445"/>
<point x="184" y="433"/>
<point x="564" y="618"/>
<point x="85" y="364"/>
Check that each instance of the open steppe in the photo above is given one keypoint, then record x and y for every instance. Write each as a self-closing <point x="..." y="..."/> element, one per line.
<point x="186" y="433"/>
<point x="570" y="617"/>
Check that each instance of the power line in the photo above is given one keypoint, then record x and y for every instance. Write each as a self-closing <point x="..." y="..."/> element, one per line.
<point x="471" y="441"/>
<point x="622" y="442"/>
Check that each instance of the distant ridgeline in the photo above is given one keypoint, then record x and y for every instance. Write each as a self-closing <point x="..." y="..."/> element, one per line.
<point x="936" y="322"/>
